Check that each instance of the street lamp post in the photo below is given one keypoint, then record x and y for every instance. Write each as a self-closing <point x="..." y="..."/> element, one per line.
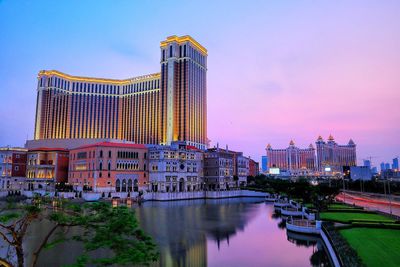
<point x="390" y="197"/>
<point x="344" y="194"/>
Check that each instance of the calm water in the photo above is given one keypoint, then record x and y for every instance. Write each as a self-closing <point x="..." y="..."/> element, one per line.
<point x="228" y="232"/>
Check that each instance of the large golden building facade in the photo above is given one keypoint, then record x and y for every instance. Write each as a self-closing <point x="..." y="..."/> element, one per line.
<point x="151" y="109"/>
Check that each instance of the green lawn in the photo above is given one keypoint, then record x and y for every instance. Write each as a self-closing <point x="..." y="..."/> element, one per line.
<point x="348" y="216"/>
<point x="334" y="206"/>
<point x="341" y="206"/>
<point x="376" y="247"/>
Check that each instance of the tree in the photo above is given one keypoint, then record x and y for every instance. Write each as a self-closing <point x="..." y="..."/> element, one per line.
<point x="14" y="222"/>
<point x="103" y="227"/>
<point x="236" y="179"/>
<point x="323" y="196"/>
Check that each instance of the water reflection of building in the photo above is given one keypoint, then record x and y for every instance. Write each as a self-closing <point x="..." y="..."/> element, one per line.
<point x="182" y="233"/>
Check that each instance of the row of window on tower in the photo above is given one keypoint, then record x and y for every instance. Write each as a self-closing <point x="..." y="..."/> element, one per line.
<point x="140" y="87"/>
<point x="99" y="88"/>
<point x="184" y="51"/>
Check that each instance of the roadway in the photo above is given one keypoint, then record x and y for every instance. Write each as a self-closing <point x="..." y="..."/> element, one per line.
<point x="369" y="202"/>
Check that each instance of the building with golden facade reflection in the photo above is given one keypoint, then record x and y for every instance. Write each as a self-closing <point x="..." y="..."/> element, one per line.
<point x="151" y="109"/>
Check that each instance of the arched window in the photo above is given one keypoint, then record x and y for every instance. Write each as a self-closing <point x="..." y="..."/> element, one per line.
<point x="181" y="185"/>
<point x="101" y="166"/>
<point x="118" y="186"/>
<point x="101" y="153"/>
<point x="109" y="165"/>
<point x="123" y="186"/>
<point x="135" y="185"/>
<point x="129" y="185"/>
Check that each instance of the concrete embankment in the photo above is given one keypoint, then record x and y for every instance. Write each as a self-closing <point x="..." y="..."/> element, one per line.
<point x="158" y="196"/>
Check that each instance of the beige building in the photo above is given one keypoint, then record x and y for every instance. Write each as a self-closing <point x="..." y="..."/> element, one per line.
<point x="175" y="168"/>
<point x="45" y="167"/>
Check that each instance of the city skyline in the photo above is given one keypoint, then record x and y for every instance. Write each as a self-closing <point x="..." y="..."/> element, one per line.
<point x="295" y="80"/>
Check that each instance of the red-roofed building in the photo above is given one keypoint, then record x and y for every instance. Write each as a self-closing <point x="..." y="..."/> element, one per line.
<point x="254" y="168"/>
<point x="12" y="167"/>
<point x="109" y="167"/>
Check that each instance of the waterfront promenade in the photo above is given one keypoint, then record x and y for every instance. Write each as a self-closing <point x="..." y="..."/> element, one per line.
<point x="147" y="196"/>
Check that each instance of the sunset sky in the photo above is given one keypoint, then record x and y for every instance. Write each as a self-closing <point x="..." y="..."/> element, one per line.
<point x="276" y="70"/>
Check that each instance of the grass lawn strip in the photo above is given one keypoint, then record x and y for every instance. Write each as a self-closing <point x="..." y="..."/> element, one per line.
<point x="376" y="247"/>
<point x="342" y="206"/>
<point x="347" y="217"/>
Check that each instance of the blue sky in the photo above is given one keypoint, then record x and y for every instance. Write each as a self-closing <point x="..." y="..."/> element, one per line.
<point x="277" y="70"/>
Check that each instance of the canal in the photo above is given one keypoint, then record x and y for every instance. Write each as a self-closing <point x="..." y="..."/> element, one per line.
<point x="225" y="232"/>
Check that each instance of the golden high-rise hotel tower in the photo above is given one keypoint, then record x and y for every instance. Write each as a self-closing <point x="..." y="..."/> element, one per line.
<point x="151" y="109"/>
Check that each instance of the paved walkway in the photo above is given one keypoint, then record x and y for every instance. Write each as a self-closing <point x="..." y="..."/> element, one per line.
<point x="371" y="203"/>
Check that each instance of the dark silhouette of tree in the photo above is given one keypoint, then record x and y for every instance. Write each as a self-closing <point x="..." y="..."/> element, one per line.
<point x="104" y="228"/>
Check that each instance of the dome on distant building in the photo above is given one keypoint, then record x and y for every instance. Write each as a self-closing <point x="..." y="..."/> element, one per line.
<point x="320" y="139"/>
<point x="269" y="146"/>
<point x="291" y="143"/>
<point x="311" y="146"/>
<point x="330" y="138"/>
<point x="351" y="142"/>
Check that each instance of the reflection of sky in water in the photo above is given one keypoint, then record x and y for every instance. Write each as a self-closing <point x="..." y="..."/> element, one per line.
<point x="226" y="232"/>
<point x="229" y="232"/>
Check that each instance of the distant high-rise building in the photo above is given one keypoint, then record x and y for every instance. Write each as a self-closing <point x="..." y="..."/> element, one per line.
<point x="395" y="165"/>
<point x="387" y="166"/>
<point x="374" y="170"/>
<point x="335" y="156"/>
<point x="152" y="109"/>
<point x="382" y="166"/>
<point x="360" y="173"/>
<point x="264" y="163"/>
<point x="293" y="159"/>
<point x="367" y="163"/>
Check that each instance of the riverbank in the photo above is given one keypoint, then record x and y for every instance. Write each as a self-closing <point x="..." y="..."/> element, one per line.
<point x="303" y="222"/>
<point x="362" y="237"/>
<point x="353" y="236"/>
<point x="147" y="196"/>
